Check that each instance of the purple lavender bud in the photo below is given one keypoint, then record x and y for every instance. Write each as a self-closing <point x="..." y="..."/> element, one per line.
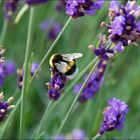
<point x="138" y="26"/>
<point x="114" y="116"/>
<point x="79" y="8"/>
<point x="124" y="27"/>
<point x="6" y="69"/>
<point x="10" y="8"/>
<point x="78" y="134"/>
<point x="131" y="5"/>
<point x="53" y="28"/>
<point x="99" y="4"/>
<point x="35" y="2"/>
<point x="56" y="85"/>
<point x="114" y="6"/>
<point x="2" y="75"/>
<point x="119" y="47"/>
<point x="103" y="52"/>
<point x="77" y="88"/>
<point x="33" y="68"/>
<point x="5" y="106"/>
<point x="3" y="109"/>
<point x="9" y="67"/>
<point x="117" y="25"/>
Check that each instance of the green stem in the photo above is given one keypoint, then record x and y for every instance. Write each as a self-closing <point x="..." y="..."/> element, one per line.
<point x="43" y="119"/>
<point x="96" y="136"/>
<point x="25" y="67"/>
<point x="9" y="118"/>
<point x="21" y="13"/>
<point x="51" y="48"/>
<point x="3" y="32"/>
<point x="67" y="90"/>
<point x="76" y="98"/>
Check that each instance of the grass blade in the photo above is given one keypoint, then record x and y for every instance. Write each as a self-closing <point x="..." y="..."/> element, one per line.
<point x="25" y="75"/>
<point x="76" y="98"/>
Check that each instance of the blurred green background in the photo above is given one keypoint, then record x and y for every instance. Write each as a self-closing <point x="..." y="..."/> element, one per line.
<point x="122" y="77"/>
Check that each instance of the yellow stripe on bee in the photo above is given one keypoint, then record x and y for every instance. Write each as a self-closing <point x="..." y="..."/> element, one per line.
<point x="51" y="60"/>
<point x="70" y="64"/>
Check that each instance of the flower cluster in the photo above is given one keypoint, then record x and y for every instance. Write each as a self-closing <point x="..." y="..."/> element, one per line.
<point x="53" y="28"/>
<point x="124" y="27"/>
<point x="79" y="8"/>
<point x="56" y="85"/>
<point x="114" y="116"/>
<point x="10" y="8"/>
<point x="5" y="106"/>
<point x="20" y="74"/>
<point x="7" y="68"/>
<point x="76" y="134"/>
<point x="93" y="84"/>
<point x="96" y="79"/>
<point x="35" y="2"/>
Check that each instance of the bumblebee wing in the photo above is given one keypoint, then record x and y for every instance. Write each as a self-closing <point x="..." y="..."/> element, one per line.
<point x="70" y="57"/>
<point x="61" y="67"/>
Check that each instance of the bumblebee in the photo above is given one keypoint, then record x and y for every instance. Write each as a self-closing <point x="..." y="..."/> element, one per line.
<point x="65" y="64"/>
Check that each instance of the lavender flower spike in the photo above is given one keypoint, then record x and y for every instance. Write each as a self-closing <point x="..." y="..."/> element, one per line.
<point x="79" y="8"/>
<point x="124" y="27"/>
<point x="20" y="73"/>
<point x="5" y="106"/>
<point x="10" y="8"/>
<point x="35" y="2"/>
<point x="95" y="82"/>
<point x="114" y="116"/>
<point x="56" y="85"/>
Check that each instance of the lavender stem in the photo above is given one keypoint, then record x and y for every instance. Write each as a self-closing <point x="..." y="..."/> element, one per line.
<point x="43" y="119"/>
<point x="3" y="32"/>
<point x="96" y="136"/>
<point x="24" y="86"/>
<point x="51" y="48"/>
<point x="76" y="98"/>
<point x="21" y="13"/>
